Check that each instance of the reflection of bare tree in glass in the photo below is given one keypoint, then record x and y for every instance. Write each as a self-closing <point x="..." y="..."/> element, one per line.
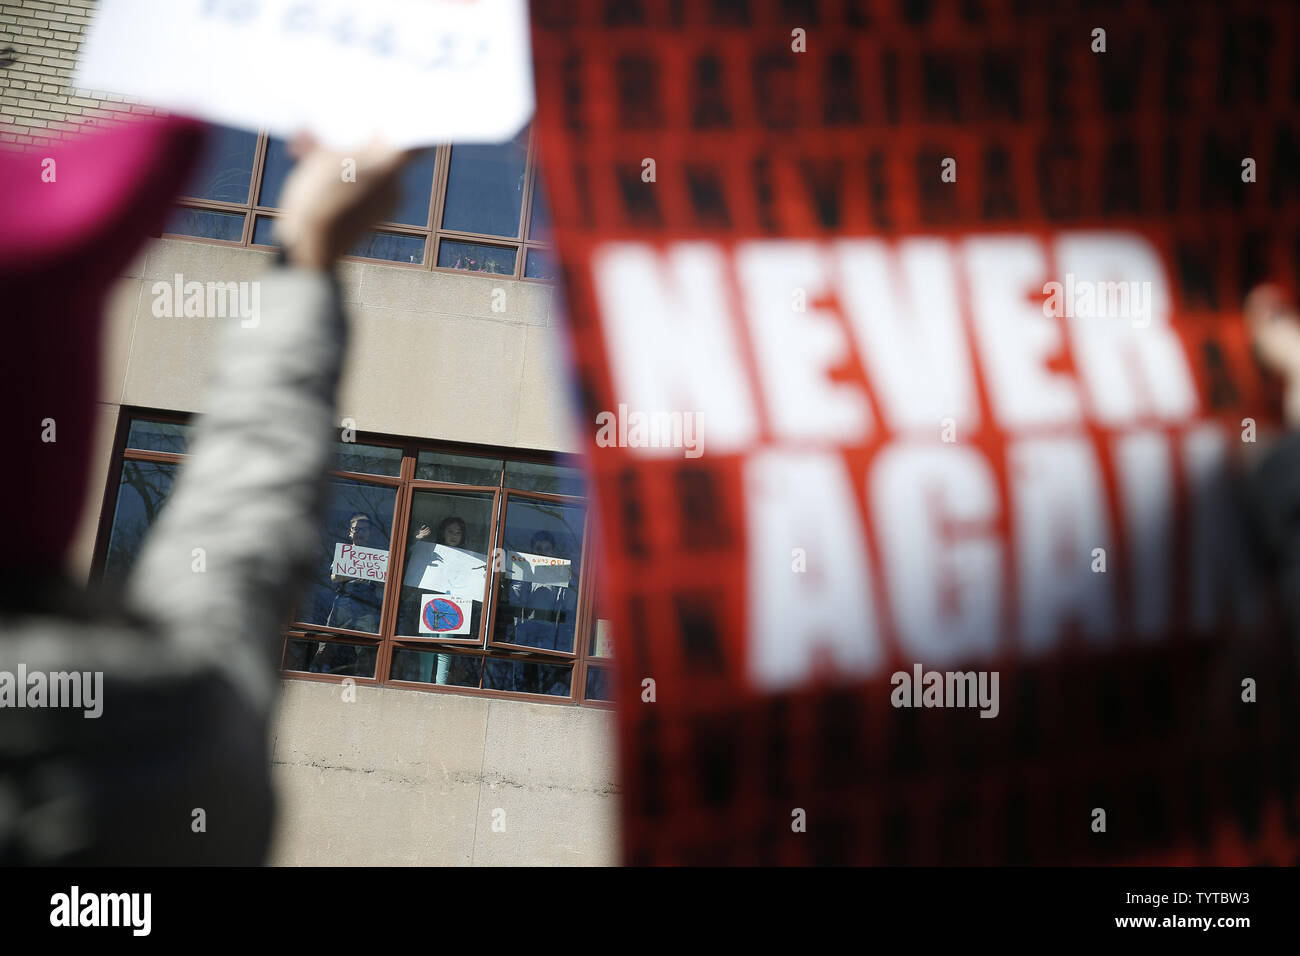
<point x="458" y="469"/>
<point x="482" y="259"/>
<point x="390" y="246"/>
<point x="227" y="169"/>
<point x="527" y="678"/>
<point x="159" y="436"/>
<point x="142" y="491"/>
<point x="544" y="479"/>
<point x="170" y="441"/>
<point x="367" y="459"/>
<point x="231" y="180"/>
<point x="223" y="175"/>
<point x="206" y="224"/>
<point x="539" y="614"/>
<point x="569" y="541"/>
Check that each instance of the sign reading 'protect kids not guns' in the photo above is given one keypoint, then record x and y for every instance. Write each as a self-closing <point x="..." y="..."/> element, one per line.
<point x="365" y="564"/>
<point x="949" y="292"/>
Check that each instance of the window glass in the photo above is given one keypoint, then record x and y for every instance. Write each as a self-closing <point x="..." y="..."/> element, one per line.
<point x="159" y="436"/>
<point x="537" y="592"/>
<point x="481" y="196"/>
<point x="539" y="221"/>
<point x="428" y="667"/>
<point x="274" y="172"/>
<point x="473" y="257"/>
<point x="458" y="469"/>
<point x="447" y="567"/>
<point x="390" y="246"/>
<point x="600" y="684"/>
<point x="264" y="231"/>
<point x="546" y="479"/>
<point x="540" y="265"/>
<point x="349" y="574"/>
<point x="444" y="579"/>
<point x="485" y="187"/>
<point x="527" y="677"/>
<point x="206" y="224"/>
<point x="225" y="167"/>
<point x="416" y="189"/>
<point x="141" y="492"/>
<point x="339" y="658"/>
<point x="367" y="459"/>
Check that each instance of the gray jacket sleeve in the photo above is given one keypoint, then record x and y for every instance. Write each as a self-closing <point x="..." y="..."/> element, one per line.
<point x="222" y="566"/>
<point x="172" y="764"/>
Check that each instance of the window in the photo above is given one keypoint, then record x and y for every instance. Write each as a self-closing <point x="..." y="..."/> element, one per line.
<point x="467" y="208"/>
<point x="440" y="568"/>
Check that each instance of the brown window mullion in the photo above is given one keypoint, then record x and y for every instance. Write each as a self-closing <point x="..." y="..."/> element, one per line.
<point x="396" y="567"/>
<point x="254" y="186"/>
<point x="438" y="201"/>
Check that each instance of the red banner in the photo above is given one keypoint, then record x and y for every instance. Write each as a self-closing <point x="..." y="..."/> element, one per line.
<point x="908" y="341"/>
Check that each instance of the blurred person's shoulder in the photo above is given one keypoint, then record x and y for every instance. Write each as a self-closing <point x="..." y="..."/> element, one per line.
<point x="112" y="736"/>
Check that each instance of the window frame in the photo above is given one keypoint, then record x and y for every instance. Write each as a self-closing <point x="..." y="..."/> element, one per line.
<point x="495" y="577"/>
<point x="432" y="233"/>
<point x="405" y="505"/>
<point x="387" y="641"/>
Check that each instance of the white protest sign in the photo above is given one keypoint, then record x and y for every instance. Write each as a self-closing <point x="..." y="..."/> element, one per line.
<point x="414" y="72"/>
<point x="547" y="569"/>
<point x="604" y="642"/>
<point x="367" y="564"/>
<point x="440" y="567"/>
<point x="442" y="614"/>
<point x="519" y="569"/>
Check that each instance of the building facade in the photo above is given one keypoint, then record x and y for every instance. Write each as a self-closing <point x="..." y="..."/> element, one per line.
<point x="446" y="676"/>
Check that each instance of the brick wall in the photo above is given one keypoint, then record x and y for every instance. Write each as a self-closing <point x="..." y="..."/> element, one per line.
<point x="39" y="40"/>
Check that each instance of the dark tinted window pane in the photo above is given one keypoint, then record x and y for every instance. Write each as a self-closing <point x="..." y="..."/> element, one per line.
<point x="537" y="598"/>
<point x="390" y="246"/>
<point x="347" y="583"/>
<point x="416" y="190"/>
<point x="476" y="258"/>
<point x="206" y="224"/>
<point x="225" y="166"/>
<point x="264" y="231"/>
<point x="367" y="459"/>
<point x="159" y="436"/>
<point x="546" y="479"/>
<point x="428" y="667"/>
<point x="485" y="187"/>
<point x="274" y="172"/>
<point x="141" y="492"/>
<point x="461" y="469"/>
<point x="540" y="265"/>
<point x="539" y="222"/>
<point x="600" y="684"/>
<point x="525" y="677"/>
<point x="331" y="657"/>
<point x="445" y="576"/>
